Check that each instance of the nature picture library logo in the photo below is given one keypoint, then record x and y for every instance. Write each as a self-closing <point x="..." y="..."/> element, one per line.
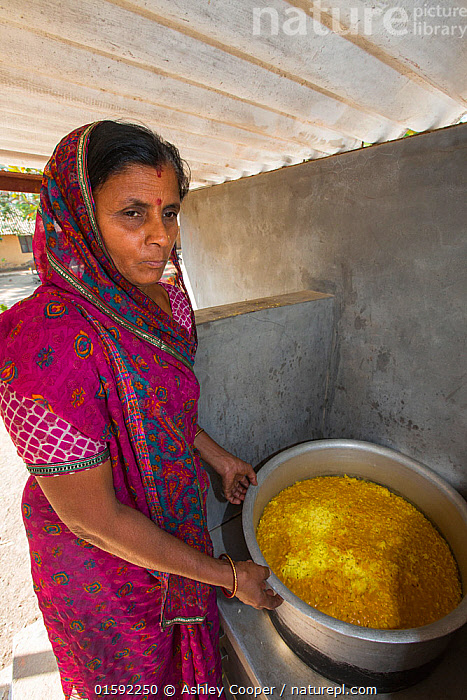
<point x="321" y="18"/>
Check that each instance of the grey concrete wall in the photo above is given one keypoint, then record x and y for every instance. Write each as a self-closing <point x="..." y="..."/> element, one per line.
<point x="263" y="374"/>
<point x="384" y="229"/>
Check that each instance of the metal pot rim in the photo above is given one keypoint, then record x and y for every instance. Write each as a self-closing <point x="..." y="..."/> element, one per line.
<point x="446" y="625"/>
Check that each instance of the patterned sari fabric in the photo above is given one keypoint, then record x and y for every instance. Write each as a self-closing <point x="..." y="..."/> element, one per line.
<point x="99" y="354"/>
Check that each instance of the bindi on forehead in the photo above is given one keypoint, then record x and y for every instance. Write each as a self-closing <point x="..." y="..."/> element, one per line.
<point x="158" y="201"/>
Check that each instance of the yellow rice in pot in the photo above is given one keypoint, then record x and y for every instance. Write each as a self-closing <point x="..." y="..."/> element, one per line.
<point x="359" y="553"/>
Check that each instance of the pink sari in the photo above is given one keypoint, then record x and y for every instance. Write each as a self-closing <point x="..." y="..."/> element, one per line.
<point x="96" y="352"/>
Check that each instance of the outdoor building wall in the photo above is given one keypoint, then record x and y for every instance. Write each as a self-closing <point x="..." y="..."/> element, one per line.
<point x="384" y="230"/>
<point x="11" y="256"/>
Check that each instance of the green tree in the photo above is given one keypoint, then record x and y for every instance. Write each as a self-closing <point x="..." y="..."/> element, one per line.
<point x="17" y="206"/>
<point x="21" y="204"/>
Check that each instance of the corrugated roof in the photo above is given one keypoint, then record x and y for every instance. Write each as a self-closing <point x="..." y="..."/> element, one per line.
<point x="239" y="86"/>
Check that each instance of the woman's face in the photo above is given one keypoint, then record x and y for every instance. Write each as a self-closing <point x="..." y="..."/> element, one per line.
<point x="136" y="211"/>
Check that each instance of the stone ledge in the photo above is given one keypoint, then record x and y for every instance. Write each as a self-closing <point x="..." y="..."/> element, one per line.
<point x="214" y="313"/>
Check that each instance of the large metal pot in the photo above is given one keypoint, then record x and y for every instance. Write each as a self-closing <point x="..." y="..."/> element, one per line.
<point x="388" y="659"/>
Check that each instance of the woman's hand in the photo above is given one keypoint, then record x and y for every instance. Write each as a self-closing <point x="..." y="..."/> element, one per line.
<point x="252" y="587"/>
<point x="236" y="474"/>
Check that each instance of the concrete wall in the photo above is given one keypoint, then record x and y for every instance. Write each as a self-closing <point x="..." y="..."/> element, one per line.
<point x="264" y="371"/>
<point x="382" y="228"/>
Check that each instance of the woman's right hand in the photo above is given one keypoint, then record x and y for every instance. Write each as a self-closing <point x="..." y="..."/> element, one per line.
<point x="252" y="587"/>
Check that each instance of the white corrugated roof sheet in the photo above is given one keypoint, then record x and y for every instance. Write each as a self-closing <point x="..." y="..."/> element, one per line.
<point x="239" y="86"/>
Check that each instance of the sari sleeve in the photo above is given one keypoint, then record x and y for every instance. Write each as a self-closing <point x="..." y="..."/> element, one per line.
<point x="49" y="445"/>
<point x="181" y="310"/>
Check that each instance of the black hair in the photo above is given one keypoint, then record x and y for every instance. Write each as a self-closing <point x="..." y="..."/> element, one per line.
<point x="113" y="146"/>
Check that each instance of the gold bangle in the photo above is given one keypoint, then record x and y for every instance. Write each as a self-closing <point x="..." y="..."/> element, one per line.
<point x="200" y="430"/>
<point x="230" y="594"/>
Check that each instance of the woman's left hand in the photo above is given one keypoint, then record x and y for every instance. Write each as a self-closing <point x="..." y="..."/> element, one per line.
<point x="236" y="476"/>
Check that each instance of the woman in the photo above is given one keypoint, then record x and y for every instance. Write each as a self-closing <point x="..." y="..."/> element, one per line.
<point x="99" y="395"/>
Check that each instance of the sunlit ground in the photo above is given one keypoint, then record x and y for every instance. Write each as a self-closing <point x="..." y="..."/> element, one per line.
<point x="15" y="286"/>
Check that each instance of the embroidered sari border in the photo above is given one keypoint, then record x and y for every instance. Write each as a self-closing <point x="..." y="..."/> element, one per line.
<point x="68" y="467"/>
<point x="84" y="184"/>
<point x="181" y="620"/>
